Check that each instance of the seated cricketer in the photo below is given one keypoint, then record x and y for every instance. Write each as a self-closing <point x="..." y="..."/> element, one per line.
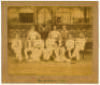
<point x="79" y="45"/>
<point x="17" y="47"/>
<point x="32" y="38"/>
<point x="69" y="44"/>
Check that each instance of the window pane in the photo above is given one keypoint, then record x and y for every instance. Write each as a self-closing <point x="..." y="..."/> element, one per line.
<point x="26" y="17"/>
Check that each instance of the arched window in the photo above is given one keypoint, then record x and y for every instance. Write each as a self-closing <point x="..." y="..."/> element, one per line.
<point x="44" y="16"/>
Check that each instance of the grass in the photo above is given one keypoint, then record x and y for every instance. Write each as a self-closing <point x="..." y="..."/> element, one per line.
<point x="51" y="68"/>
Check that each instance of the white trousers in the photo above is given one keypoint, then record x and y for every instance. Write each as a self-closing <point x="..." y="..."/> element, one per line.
<point x="69" y="53"/>
<point x="26" y="53"/>
<point x="47" y="53"/>
<point x="60" y="54"/>
<point x="76" y="54"/>
<point x="36" y="54"/>
<point x="18" y="54"/>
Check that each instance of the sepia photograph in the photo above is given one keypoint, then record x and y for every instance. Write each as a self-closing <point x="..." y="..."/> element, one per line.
<point x="49" y="42"/>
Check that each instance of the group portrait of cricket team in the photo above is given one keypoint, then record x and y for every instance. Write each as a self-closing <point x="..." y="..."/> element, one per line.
<point x="61" y="45"/>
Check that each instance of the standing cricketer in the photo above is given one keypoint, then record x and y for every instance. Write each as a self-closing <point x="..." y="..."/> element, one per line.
<point x="51" y="43"/>
<point x="32" y="39"/>
<point x="60" y="52"/>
